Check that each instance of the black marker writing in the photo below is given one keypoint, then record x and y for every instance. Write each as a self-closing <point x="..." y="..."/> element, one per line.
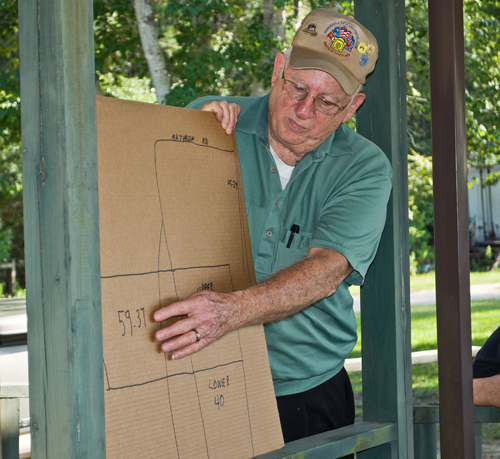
<point x="131" y="320"/>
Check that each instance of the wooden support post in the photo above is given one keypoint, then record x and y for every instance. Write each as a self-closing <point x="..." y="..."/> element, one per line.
<point x="425" y="441"/>
<point x="449" y="152"/>
<point x="385" y="298"/>
<point x="61" y="229"/>
<point x="9" y="428"/>
<point x="478" y="440"/>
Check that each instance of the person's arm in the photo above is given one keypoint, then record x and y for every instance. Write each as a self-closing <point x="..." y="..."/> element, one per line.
<point x="487" y="391"/>
<point x="214" y="314"/>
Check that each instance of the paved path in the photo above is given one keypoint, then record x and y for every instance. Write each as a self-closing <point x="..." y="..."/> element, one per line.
<point x="428" y="297"/>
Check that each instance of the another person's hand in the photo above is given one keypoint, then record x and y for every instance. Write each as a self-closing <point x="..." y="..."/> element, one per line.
<point x="209" y="314"/>
<point x="226" y="113"/>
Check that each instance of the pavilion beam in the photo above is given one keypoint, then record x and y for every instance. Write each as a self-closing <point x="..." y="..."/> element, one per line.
<point x="61" y="229"/>
<point x="449" y="147"/>
<point x="385" y="297"/>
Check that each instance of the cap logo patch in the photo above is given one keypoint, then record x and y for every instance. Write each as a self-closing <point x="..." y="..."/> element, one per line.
<point x="310" y="30"/>
<point x="343" y="37"/>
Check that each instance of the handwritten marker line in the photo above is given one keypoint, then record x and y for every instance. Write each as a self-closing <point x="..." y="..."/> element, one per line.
<point x="194" y="143"/>
<point x="175" y="374"/>
<point x="164" y="271"/>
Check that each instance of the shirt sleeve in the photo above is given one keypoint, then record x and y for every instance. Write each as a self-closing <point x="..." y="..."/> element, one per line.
<point x="198" y="103"/>
<point x="353" y="217"/>
<point x="487" y="361"/>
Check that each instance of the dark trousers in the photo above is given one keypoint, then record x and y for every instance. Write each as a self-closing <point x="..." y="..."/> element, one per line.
<point x="320" y="409"/>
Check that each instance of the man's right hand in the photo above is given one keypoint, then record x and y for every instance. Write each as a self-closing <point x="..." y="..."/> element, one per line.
<point x="226" y="113"/>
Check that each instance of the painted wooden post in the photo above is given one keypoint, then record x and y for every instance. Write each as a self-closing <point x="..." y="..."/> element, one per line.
<point x="451" y="228"/>
<point x="9" y="428"/>
<point x="61" y="229"/>
<point x="425" y="441"/>
<point x="385" y="298"/>
<point x="478" y="436"/>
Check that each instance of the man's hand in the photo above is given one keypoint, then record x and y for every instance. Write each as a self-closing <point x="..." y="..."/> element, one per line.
<point x="211" y="314"/>
<point x="226" y="113"/>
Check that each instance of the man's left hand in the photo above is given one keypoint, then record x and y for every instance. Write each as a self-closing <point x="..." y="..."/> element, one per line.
<point x="226" y="113"/>
<point x="209" y="313"/>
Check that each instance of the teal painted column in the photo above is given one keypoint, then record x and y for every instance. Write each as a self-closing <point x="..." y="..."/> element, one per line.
<point x="385" y="297"/>
<point x="61" y="229"/>
<point x="9" y="428"/>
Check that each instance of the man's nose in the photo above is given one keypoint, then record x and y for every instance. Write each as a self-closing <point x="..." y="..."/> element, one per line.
<point x="305" y="107"/>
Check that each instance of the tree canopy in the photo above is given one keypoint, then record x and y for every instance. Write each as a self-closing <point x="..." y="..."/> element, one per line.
<point x="482" y="79"/>
<point x="227" y="47"/>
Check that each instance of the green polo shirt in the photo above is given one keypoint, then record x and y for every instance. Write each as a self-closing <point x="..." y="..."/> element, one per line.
<point x="337" y="195"/>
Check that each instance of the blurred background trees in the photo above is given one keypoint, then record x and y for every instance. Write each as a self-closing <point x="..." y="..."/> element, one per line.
<point x="175" y="51"/>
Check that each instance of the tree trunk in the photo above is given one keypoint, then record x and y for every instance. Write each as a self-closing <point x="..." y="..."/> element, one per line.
<point x="485" y="231"/>
<point x="151" y="47"/>
<point x="273" y="18"/>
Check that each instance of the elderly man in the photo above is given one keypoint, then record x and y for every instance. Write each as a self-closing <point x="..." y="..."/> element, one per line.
<point x="316" y="195"/>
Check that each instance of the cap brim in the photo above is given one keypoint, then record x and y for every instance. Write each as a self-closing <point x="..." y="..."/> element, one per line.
<point x="306" y="59"/>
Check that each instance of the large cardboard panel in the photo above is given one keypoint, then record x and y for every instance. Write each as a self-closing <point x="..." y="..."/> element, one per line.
<point x="173" y="221"/>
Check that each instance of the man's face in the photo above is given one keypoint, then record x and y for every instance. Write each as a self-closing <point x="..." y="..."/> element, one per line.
<point x="296" y="127"/>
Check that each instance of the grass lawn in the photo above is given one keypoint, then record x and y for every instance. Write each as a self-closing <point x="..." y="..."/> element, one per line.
<point x="485" y="319"/>
<point x="428" y="281"/>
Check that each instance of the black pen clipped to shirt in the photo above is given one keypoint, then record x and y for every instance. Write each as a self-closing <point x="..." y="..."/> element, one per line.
<point x="294" y="230"/>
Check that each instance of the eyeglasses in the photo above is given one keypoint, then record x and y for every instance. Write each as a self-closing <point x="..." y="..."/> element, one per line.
<point x="321" y="102"/>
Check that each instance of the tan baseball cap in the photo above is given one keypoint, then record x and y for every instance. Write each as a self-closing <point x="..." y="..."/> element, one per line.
<point x="338" y="44"/>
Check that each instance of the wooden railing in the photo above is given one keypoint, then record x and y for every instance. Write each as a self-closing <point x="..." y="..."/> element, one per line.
<point x="334" y="444"/>
<point x="363" y="436"/>
<point x="426" y="419"/>
<point x="338" y="443"/>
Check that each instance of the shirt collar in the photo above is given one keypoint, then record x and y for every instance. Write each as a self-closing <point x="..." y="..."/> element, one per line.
<point x="254" y="121"/>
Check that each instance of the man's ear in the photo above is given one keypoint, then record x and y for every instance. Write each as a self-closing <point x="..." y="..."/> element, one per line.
<point x="356" y="103"/>
<point x="279" y="60"/>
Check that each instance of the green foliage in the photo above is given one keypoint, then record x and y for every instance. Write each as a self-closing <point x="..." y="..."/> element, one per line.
<point x="133" y="88"/>
<point x="5" y="242"/>
<point x="11" y="203"/>
<point x="10" y="119"/>
<point x="217" y="47"/>
<point x="484" y="259"/>
<point x="417" y="75"/>
<point x="421" y="212"/>
<point x="19" y="292"/>
<point x="117" y="44"/>
<point x="482" y="80"/>
<point x="223" y="47"/>
<point x="482" y="20"/>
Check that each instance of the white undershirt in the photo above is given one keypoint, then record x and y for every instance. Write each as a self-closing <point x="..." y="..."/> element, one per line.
<point x="284" y="170"/>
